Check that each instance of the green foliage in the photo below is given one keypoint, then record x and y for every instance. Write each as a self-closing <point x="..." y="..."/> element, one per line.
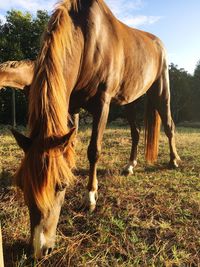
<point x="181" y="97"/>
<point x="5" y="106"/>
<point x="19" y="39"/>
<point x="185" y="94"/>
<point x="196" y="92"/>
<point x="20" y="35"/>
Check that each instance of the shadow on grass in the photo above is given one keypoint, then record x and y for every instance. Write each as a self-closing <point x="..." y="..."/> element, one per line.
<point x="18" y="251"/>
<point x="100" y="172"/>
<point x="84" y="173"/>
<point x="5" y="181"/>
<point x="155" y="168"/>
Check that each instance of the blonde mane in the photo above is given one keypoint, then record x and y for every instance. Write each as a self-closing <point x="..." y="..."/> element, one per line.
<point x="48" y="113"/>
<point x="50" y="106"/>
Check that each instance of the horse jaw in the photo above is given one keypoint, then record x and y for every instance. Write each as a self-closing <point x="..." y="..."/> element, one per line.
<point x="44" y="233"/>
<point x="39" y="241"/>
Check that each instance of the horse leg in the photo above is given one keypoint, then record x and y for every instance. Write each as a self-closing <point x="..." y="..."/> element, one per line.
<point x="76" y="121"/>
<point x="135" y="135"/>
<point x="163" y="106"/>
<point x="100" y="116"/>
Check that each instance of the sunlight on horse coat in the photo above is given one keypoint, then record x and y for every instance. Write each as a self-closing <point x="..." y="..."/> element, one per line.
<point x="88" y="58"/>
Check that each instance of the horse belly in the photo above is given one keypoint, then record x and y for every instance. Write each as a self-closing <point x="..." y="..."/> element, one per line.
<point x="137" y="81"/>
<point x="132" y="90"/>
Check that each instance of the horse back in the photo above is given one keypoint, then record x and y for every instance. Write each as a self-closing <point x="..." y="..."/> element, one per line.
<point x="118" y="60"/>
<point x="144" y="58"/>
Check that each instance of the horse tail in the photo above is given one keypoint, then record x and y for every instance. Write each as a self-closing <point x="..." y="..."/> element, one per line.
<point x="152" y="132"/>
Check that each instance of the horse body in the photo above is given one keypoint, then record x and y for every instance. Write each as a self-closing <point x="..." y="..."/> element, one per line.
<point x="122" y="62"/>
<point x="88" y="59"/>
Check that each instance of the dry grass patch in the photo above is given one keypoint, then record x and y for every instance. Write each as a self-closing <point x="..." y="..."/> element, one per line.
<point x="151" y="218"/>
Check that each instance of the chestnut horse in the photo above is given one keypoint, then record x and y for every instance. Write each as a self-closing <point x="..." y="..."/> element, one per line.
<point x="19" y="75"/>
<point x="88" y="58"/>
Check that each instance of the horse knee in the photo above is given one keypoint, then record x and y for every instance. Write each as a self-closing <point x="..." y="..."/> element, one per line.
<point x="93" y="154"/>
<point x="169" y="129"/>
<point x="136" y="136"/>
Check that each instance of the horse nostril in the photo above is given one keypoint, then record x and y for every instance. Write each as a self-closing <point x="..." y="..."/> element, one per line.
<point x="50" y="250"/>
<point x="46" y="251"/>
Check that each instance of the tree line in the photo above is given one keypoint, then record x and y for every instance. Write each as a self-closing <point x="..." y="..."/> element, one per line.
<point x="20" y="39"/>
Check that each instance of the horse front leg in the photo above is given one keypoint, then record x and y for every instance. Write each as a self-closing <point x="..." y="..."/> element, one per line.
<point x="100" y="116"/>
<point x="76" y="121"/>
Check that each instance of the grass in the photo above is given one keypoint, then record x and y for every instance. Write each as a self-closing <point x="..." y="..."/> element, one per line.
<point x="151" y="218"/>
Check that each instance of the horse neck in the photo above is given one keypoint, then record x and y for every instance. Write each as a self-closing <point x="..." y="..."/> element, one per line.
<point x="57" y="72"/>
<point x="49" y="103"/>
<point x="17" y="76"/>
<point x="49" y="117"/>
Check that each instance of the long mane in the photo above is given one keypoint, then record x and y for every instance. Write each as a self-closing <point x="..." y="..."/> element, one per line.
<point x="48" y="112"/>
<point x="49" y="85"/>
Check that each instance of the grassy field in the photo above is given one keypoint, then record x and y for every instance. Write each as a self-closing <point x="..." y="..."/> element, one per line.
<point x="151" y="218"/>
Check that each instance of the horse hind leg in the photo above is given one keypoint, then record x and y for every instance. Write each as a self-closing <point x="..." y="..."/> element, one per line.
<point x="161" y="100"/>
<point x="135" y="136"/>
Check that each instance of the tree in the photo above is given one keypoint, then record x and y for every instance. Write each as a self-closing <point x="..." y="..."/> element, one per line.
<point x="20" y="35"/>
<point x="19" y="39"/>
<point x="196" y="92"/>
<point x="181" y="97"/>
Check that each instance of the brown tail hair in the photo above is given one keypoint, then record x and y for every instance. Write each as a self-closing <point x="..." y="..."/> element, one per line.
<point x="152" y="132"/>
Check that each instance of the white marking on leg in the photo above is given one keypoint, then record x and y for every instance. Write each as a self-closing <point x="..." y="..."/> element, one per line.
<point x="130" y="169"/>
<point x="92" y="197"/>
<point x="134" y="163"/>
<point x="39" y="241"/>
<point x="130" y="166"/>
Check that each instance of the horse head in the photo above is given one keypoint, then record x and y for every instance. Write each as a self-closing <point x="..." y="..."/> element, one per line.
<point x="43" y="177"/>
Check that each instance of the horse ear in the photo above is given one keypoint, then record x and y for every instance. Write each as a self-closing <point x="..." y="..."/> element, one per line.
<point x="23" y="141"/>
<point x="62" y="141"/>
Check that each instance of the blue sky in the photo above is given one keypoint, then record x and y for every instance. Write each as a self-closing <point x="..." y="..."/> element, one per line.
<point x="175" y="22"/>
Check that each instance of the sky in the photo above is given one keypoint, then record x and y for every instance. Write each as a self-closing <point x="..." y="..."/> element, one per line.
<point x="175" y="22"/>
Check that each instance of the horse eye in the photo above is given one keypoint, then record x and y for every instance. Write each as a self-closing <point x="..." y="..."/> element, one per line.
<point x="60" y="187"/>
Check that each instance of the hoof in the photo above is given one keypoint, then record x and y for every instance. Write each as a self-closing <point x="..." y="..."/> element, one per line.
<point x="173" y="164"/>
<point x="93" y="197"/>
<point x="90" y="201"/>
<point x="128" y="170"/>
<point x="92" y="208"/>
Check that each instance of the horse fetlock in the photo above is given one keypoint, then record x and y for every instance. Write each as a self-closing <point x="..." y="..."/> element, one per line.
<point x="90" y="201"/>
<point x="93" y="196"/>
<point x="93" y="154"/>
<point x="128" y="170"/>
<point x="173" y="164"/>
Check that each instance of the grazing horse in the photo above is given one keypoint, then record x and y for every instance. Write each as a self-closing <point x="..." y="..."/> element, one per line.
<point x="19" y="74"/>
<point x="88" y="58"/>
